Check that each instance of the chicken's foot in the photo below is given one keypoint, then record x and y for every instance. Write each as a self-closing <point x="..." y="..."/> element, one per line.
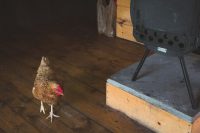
<point x="51" y="114"/>
<point x="42" y="108"/>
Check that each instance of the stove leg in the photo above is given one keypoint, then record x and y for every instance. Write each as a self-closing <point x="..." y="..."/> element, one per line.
<point x="187" y="81"/>
<point x="147" y="51"/>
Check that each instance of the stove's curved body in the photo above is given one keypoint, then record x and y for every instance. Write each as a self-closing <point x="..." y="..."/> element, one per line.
<point x="170" y="27"/>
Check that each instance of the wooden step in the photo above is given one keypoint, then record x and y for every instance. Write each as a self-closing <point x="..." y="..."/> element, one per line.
<point x="158" y="99"/>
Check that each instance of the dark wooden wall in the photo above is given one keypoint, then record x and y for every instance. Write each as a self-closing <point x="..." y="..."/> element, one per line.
<point x="30" y="14"/>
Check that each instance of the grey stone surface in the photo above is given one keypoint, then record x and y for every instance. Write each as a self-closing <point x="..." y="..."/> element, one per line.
<point x="161" y="78"/>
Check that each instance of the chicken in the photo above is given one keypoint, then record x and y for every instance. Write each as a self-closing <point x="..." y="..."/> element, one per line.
<point x="46" y="89"/>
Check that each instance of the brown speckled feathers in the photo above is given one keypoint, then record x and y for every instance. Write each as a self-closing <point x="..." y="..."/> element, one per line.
<point x="42" y="85"/>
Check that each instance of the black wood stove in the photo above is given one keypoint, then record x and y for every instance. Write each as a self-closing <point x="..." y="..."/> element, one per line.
<point x="169" y="27"/>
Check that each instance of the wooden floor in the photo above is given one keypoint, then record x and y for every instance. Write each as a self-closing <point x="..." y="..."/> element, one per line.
<point x="83" y="60"/>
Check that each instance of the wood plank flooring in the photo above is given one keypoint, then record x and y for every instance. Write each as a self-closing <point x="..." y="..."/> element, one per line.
<point x="83" y="61"/>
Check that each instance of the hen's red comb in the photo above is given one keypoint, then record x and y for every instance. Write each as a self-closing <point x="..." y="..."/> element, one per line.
<point x="59" y="91"/>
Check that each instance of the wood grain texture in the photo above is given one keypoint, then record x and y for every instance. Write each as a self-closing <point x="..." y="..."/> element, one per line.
<point x="125" y="3"/>
<point x="123" y="16"/>
<point x="196" y="124"/>
<point x="83" y="61"/>
<point x="153" y="117"/>
<point x="125" y="32"/>
<point x="124" y="28"/>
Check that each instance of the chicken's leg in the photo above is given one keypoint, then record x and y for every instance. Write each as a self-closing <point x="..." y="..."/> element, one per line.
<point x="51" y="114"/>
<point x="42" y="108"/>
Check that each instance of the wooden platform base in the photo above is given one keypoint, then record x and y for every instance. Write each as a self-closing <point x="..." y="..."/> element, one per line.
<point x="155" y="101"/>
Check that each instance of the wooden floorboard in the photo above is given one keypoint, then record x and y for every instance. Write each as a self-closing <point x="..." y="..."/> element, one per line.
<point x="83" y="63"/>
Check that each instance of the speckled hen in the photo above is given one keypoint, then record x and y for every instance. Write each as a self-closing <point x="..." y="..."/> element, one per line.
<point x="46" y="89"/>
